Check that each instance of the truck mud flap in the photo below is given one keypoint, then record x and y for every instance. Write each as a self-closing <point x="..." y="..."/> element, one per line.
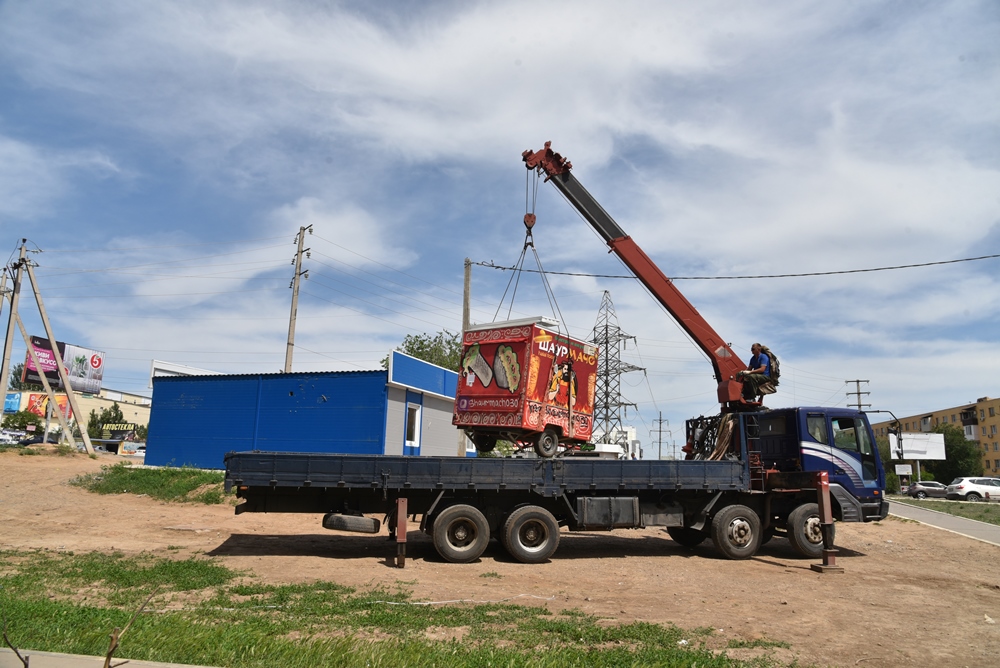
<point x="355" y="523"/>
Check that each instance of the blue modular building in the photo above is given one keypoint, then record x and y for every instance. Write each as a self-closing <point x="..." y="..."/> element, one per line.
<point x="196" y="420"/>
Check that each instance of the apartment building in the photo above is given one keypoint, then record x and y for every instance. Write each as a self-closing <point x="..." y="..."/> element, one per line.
<point x="980" y="421"/>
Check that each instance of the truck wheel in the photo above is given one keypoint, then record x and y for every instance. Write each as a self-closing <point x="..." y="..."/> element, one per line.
<point x="736" y="532"/>
<point x="530" y="534"/>
<point x="805" y="532"/>
<point x="485" y="443"/>
<point x="461" y="533"/>
<point x="547" y="444"/>
<point x="686" y="536"/>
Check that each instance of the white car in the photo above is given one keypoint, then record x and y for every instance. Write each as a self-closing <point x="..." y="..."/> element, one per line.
<point x="974" y="489"/>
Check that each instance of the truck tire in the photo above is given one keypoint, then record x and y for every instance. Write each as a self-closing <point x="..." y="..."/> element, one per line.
<point x="461" y="533"/>
<point x="485" y="443"/>
<point x="530" y="534"/>
<point x="685" y="536"/>
<point x="736" y="532"/>
<point x="804" y="532"/>
<point x="547" y="444"/>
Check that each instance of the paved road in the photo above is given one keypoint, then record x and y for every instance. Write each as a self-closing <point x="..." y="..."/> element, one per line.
<point x="988" y="533"/>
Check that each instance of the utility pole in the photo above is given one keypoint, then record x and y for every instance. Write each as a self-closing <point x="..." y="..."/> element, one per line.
<point x="466" y="316"/>
<point x="11" y="319"/>
<point x="857" y="393"/>
<point x="659" y="432"/>
<point x="297" y="261"/>
<point x="63" y="374"/>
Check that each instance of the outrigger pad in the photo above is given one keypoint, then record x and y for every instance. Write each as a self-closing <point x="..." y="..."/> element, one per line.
<point x="355" y="523"/>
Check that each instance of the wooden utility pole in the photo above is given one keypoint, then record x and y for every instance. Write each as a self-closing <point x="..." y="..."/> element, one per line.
<point x="63" y="374"/>
<point x="466" y="296"/>
<point x="11" y="319"/>
<point x="63" y="422"/>
<point x="295" y="296"/>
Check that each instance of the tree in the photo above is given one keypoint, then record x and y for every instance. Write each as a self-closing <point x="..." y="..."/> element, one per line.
<point x="14" y="383"/>
<point x="96" y="421"/>
<point x="962" y="457"/>
<point x="21" y="419"/>
<point x="443" y="349"/>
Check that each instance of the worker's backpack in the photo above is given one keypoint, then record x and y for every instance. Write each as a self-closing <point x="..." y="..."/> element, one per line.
<point x="775" y="366"/>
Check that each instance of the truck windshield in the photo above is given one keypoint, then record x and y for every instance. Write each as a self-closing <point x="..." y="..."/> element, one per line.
<point x="851" y="435"/>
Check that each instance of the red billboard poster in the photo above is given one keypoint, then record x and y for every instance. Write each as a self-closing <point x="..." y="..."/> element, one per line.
<point x="84" y="366"/>
<point x="519" y="378"/>
<point x="39" y="404"/>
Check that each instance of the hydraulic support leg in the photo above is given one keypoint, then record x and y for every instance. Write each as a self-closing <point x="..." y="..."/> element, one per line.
<point x="829" y="564"/>
<point x="401" y="533"/>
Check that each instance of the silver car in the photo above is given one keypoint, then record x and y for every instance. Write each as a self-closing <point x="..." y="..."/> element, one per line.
<point x="925" y="488"/>
<point x="974" y="489"/>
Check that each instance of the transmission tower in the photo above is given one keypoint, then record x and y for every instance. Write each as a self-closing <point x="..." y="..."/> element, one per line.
<point x="608" y="401"/>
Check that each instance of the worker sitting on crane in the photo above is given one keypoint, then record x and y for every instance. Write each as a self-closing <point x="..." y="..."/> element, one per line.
<point x="759" y="379"/>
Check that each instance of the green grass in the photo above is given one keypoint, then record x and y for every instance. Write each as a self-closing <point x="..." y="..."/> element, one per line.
<point x="204" y="613"/>
<point x="983" y="511"/>
<point x="164" y="484"/>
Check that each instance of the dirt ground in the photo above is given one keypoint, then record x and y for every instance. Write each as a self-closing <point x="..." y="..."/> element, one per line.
<point x="911" y="594"/>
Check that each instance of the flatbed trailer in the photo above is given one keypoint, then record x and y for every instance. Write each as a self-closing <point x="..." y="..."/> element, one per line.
<point x="757" y="488"/>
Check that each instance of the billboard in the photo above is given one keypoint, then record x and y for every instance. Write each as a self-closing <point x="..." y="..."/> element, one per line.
<point x="39" y="404"/>
<point x="84" y="366"/>
<point x="12" y="402"/>
<point x="919" y="445"/>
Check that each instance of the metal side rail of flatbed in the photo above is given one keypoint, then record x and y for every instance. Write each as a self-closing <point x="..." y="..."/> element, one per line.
<point x="546" y="477"/>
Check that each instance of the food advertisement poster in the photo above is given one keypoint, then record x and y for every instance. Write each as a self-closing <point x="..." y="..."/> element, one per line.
<point x="39" y="404"/>
<point x="84" y="366"/>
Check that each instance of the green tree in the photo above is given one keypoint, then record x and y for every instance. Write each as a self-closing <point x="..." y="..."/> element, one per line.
<point x="96" y="421"/>
<point x="962" y="457"/>
<point x="14" y="383"/>
<point x="141" y="432"/>
<point x="21" y="419"/>
<point x="443" y="349"/>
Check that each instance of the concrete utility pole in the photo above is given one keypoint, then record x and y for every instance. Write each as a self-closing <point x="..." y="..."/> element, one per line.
<point x="857" y="393"/>
<point x="63" y="374"/>
<point x="295" y="295"/>
<point x="11" y="319"/>
<point x="67" y="433"/>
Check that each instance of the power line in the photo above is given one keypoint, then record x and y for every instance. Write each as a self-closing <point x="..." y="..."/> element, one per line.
<point x="733" y="278"/>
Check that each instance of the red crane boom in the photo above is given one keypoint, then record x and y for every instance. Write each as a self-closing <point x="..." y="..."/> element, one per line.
<point x="725" y="362"/>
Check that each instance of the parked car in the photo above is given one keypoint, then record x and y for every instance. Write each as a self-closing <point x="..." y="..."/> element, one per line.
<point x="32" y="440"/>
<point x="974" y="489"/>
<point x="923" y="489"/>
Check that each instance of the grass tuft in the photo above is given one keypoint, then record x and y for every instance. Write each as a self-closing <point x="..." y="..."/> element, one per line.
<point x="163" y="484"/>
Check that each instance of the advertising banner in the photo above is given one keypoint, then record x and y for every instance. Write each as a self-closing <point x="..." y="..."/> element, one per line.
<point x="12" y="402"/>
<point x="84" y="366"/>
<point x="39" y="403"/>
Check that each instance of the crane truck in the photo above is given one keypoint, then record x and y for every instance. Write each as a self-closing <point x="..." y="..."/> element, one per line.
<point x="751" y="473"/>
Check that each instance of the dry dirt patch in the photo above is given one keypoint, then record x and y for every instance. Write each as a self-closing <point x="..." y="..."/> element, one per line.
<point x="910" y="595"/>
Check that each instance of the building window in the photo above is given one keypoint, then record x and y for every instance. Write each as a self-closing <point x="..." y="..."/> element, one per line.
<point x="993" y="429"/>
<point x="953" y="418"/>
<point x="907" y="426"/>
<point x="995" y="447"/>
<point x="992" y="411"/>
<point x="984" y="430"/>
<point x="982" y="414"/>
<point x="413" y="425"/>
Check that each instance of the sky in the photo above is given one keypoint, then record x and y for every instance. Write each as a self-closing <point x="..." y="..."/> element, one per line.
<point x="160" y="158"/>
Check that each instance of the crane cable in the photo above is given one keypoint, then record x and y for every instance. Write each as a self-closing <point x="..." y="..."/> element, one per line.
<point x="530" y="200"/>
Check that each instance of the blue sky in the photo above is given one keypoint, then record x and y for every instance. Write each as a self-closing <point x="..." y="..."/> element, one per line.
<point x="163" y="156"/>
